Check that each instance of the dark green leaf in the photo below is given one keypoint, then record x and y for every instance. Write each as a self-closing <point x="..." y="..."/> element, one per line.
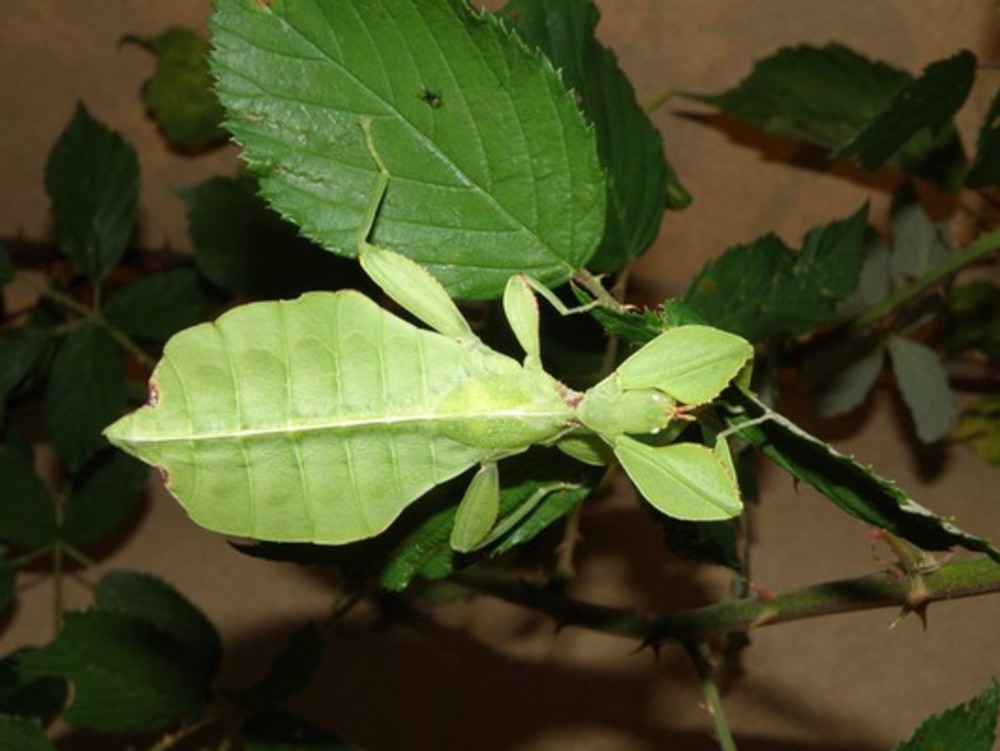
<point x="259" y="255"/>
<point x="127" y="676"/>
<point x="923" y="382"/>
<point x="640" y="180"/>
<point x="985" y="169"/>
<point x="766" y="289"/>
<point x="27" y="516"/>
<point x="20" y="353"/>
<point x="853" y="487"/>
<point x="926" y="103"/>
<point x="702" y="542"/>
<point x="966" y="727"/>
<point x="86" y="392"/>
<point x="155" y="603"/>
<point x="41" y="699"/>
<point x="493" y="168"/>
<point x="6" y="267"/>
<point x="21" y="734"/>
<point x="278" y="731"/>
<point x="828" y="96"/>
<point x="101" y="495"/>
<point x="974" y="318"/>
<point x="179" y="95"/>
<point x="158" y="306"/>
<point x="289" y="671"/>
<point x="92" y="178"/>
<point x="820" y="95"/>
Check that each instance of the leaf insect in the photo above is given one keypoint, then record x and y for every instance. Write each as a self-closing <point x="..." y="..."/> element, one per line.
<point x="321" y="419"/>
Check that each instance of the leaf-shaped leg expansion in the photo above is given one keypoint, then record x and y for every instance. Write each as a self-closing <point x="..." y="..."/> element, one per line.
<point x="683" y="480"/>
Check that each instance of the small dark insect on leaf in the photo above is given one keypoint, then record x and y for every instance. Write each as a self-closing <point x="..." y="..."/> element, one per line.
<point x="431" y="98"/>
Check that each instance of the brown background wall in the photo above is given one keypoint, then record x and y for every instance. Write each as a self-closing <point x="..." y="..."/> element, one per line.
<point x="488" y="676"/>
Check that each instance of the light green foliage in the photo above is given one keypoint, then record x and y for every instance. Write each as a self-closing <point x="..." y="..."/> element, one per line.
<point x="323" y="418"/>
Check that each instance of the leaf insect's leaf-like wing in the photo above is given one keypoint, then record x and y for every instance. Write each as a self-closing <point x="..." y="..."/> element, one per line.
<point x="683" y="480"/>
<point x="478" y="510"/>
<point x="300" y="421"/>
<point x="689" y="363"/>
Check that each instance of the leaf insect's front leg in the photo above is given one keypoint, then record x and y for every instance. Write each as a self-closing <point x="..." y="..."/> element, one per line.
<point x="404" y="280"/>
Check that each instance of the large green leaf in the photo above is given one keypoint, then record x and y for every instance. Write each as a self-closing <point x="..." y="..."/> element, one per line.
<point x="160" y="305"/>
<point x="493" y="169"/>
<point x="640" y="180"/>
<point x="853" y="487"/>
<point x="127" y="676"/>
<point x="92" y="178"/>
<point x="261" y="255"/>
<point x="86" y="392"/>
<point x="152" y="601"/>
<point x="765" y="289"/>
<point x="179" y="95"/>
<point x="926" y="103"/>
<point x="966" y="727"/>
<point x="101" y="495"/>
<point x="830" y="95"/>
<point x="27" y="516"/>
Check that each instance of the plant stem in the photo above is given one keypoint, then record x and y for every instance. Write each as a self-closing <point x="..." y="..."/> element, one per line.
<point x="952" y="580"/>
<point x="702" y="659"/>
<point x="92" y="314"/>
<point x="981" y="248"/>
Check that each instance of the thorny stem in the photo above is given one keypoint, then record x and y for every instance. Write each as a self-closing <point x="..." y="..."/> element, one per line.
<point x="593" y="285"/>
<point x="701" y="657"/>
<point x="565" y="568"/>
<point x="981" y="248"/>
<point x="93" y="314"/>
<point x="952" y="580"/>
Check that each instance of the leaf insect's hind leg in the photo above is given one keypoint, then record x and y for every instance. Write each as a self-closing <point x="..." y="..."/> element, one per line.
<point x="404" y="280"/>
<point x="478" y="510"/>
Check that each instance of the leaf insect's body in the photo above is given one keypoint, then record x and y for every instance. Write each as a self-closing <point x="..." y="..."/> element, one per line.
<point x="321" y="419"/>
